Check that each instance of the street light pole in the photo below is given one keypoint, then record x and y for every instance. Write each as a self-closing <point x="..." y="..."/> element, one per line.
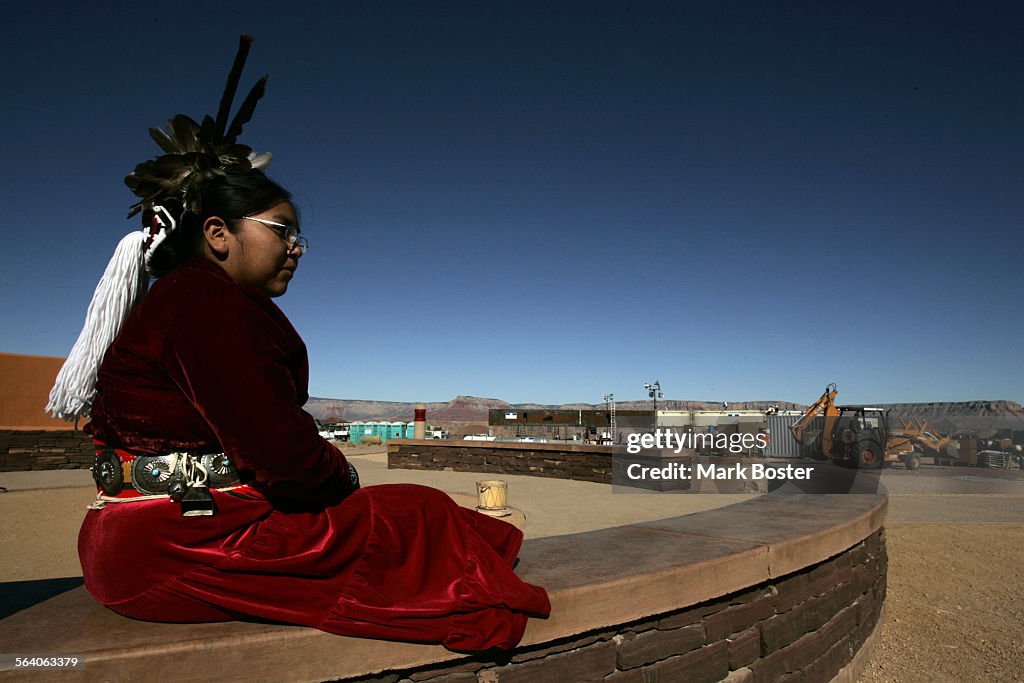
<point x="609" y="402"/>
<point x="654" y="393"/>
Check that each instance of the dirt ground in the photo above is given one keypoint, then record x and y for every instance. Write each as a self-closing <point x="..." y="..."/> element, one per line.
<point x="955" y="605"/>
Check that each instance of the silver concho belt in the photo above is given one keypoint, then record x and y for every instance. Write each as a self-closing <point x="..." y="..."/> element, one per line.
<point x="159" y="475"/>
<point x="156" y="474"/>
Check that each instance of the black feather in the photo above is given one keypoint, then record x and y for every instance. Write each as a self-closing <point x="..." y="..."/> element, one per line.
<point x="186" y="132"/>
<point x="244" y="42"/>
<point x="206" y="129"/>
<point x="166" y="142"/>
<point x="245" y="112"/>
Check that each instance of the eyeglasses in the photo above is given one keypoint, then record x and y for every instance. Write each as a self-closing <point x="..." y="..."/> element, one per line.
<point x="289" y="232"/>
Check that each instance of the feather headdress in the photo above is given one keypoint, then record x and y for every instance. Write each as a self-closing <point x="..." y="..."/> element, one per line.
<point x="194" y="153"/>
<point x="167" y="187"/>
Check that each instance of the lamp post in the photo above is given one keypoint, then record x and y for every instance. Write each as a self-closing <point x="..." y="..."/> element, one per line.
<point x="609" y="404"/>
<point x="654" y="393"/>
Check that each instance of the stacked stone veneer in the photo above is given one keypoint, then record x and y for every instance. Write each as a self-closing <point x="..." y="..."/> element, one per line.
<point x="37" y="449"/>
<point x="800" y="628"/>
<point x="562" y="461"/>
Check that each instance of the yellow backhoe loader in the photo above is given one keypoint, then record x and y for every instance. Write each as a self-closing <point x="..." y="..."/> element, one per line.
<point x="851" y="435"/>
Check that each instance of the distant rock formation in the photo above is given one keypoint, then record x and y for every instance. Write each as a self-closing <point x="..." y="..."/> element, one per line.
<point x="459" y="409"/>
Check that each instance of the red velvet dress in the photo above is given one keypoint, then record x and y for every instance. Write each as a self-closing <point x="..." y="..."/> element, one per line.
<point x="204" y="364"/>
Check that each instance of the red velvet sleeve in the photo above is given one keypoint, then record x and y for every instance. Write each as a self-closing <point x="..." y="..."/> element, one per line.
<point x="237" y="358"/>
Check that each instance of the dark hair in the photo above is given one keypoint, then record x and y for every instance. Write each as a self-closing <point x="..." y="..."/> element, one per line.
<point x="229" y="197"/>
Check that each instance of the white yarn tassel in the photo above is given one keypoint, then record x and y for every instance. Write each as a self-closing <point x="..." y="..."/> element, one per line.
<point x="123" y="284"/>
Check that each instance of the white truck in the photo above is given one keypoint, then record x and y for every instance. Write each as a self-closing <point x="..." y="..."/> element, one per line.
<point x="332" y="432"/>
<point x="437" y="433"/>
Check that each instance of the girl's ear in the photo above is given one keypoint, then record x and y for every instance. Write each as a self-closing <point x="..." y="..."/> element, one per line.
<point x="215" y="234"/>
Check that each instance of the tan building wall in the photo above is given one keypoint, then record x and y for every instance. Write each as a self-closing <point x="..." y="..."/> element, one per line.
<point x="25" y="383"/>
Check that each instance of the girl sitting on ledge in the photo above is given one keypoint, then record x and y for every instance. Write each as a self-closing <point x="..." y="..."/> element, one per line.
<point x="218" y="498"/>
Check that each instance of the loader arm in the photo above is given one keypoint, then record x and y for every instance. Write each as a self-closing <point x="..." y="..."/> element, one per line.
<point x="826" y="405"/>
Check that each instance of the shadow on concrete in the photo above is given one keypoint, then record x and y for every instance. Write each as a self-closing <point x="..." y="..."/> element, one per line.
<point x="827" y="478"/>
<point x="17" y="595"/>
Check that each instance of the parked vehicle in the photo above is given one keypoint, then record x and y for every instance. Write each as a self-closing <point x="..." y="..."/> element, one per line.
<point x="437" y="433"/>
<point x="332" y="432"/>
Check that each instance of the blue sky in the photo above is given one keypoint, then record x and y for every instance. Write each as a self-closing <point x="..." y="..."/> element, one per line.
<point x="548" y="201"/>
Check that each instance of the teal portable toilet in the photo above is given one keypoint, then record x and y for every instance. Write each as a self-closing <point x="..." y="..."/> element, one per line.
<point x="393" y="430"/>
<point x="359" y="431"/>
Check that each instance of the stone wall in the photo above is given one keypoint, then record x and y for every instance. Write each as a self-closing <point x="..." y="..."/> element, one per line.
<point x="562" y="461"/>
<point x="804" y="627"/>
<point x="37" y="449"/>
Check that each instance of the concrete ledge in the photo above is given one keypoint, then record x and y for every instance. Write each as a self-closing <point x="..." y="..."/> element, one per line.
<point x="776" y="570"/>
